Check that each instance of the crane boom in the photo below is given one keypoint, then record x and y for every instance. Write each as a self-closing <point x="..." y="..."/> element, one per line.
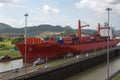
<point x="79" y="28"/>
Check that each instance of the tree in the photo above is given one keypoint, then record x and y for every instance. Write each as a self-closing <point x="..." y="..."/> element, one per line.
<point x="1" y="39"/>
<point x="18" y="40"/>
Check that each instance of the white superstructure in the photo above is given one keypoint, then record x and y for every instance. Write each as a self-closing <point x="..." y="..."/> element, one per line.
<point x="104" y="32"/>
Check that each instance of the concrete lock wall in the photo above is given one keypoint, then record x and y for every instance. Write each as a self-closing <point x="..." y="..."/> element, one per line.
<point x="73" y="69"/>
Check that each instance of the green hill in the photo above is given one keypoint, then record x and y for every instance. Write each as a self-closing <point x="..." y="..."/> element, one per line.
<point x="32" y="30"/>
<point x="4" y="26"/>
<point x="8" y="31"/>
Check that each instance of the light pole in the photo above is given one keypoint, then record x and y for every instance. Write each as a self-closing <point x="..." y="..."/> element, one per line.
<point x="108" y="9"/>
<point x="26" y="15"/>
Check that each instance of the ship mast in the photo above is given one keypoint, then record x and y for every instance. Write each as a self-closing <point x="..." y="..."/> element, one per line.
<point x="98" y="28"/>
<point x="79" y="28"/>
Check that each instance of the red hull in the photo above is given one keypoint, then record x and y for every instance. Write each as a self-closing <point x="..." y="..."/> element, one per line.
<point x="34" y="51"/>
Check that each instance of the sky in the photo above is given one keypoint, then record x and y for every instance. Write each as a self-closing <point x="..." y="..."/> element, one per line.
<point x="60" y="12"/>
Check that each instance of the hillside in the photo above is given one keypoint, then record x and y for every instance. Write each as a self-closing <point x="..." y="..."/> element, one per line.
<point x="32" y="30"/>
<point x="4" y="26"/>
<point x="8" y="31"/>
<point x="117" y="32"/>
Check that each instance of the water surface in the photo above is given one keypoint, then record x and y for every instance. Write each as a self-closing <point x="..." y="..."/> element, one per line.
<point x="98" y="72"/>
<point x="5" y="66"/>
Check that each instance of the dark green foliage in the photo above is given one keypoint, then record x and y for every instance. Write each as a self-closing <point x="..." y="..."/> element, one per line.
<point x="62" y="34"/>
<point x="88" y="31"/>
<point x="2" y="45"/>
<point x="18" y="40"/>
<point x="69" y="32"/>
<point x="1" y="39"/>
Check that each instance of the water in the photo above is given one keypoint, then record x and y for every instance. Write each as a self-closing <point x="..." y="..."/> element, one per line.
<point x="98" y="72"/>
<point x="5" y="66"/>
<point x="95" y="73"/>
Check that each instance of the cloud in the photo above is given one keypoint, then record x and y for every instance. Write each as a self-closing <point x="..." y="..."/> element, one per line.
<point x="91" y="4"/>
<point x="8" y="2"/>
<point x="99" y="5"/>
<point x="113" y="1"/>
<point x="13" y="22"/>
<point x="47" y="9"/>
<point x="54" y="10"/>
<point x="1" y="4"/>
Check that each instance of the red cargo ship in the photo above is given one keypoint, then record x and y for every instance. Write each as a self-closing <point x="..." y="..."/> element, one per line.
<point x="53" y="48"/>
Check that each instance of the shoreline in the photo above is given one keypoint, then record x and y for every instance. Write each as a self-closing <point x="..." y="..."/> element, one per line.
<point x="10" y="59"/>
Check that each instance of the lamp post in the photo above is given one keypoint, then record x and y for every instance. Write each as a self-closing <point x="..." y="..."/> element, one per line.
<point x="26" y="15"/>
<point x="108" y="9"/>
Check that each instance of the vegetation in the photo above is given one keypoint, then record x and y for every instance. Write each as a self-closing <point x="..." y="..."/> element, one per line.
<point x="1" y="39"/>
<point x="7" y="48"/>
<point x="117" y="77"/>
<point x="31" y="31"/>
<point x="57" y="34"/>
<point x="69" y="32"/>
<point x="51" y="34"/>
<point x="17" y="40"/>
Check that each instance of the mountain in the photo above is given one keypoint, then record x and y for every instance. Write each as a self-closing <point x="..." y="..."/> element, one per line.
<point x="4" y="26"/>
<point x="8" y="31"/>
<point x="117" y="32"/>
<point x="32" y="30"/>
<point x="67" y="27"/>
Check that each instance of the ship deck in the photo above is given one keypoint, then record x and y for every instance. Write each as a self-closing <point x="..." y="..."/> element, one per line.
<point x="27" y="72"/>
